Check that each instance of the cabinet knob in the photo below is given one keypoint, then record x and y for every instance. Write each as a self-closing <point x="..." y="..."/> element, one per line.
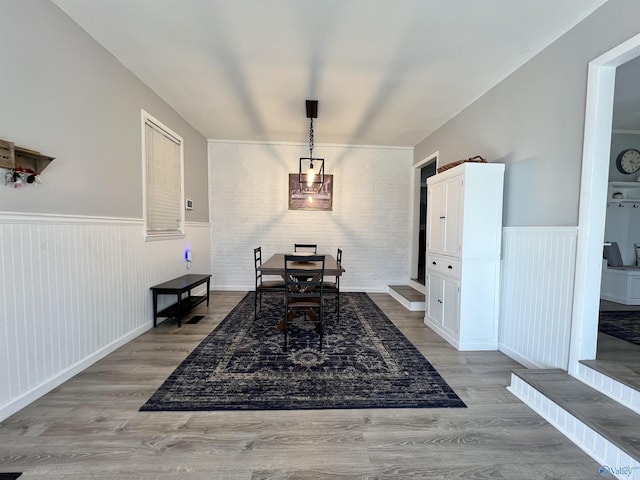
<point x="433" y="263"/>
<point x="439" y="301"/>
<point x="450" y="267"/>
<point x="442" y="217"/>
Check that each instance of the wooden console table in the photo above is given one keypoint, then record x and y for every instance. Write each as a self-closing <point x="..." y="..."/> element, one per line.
<point x="179" y="286"/>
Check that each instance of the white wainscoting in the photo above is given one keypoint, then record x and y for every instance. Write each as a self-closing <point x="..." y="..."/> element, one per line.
<point x="538" y="269"/>
<point x="73" y="289"/>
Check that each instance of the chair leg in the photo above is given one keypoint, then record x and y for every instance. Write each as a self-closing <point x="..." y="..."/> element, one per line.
<point x="321" y="319"/>
<point x="338" y="305"/>
<point x="286" y="328"/>
<point x="255" y="305"/>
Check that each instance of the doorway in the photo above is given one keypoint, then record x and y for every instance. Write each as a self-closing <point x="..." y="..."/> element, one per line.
<point x="421" y="171"/>
<point x="618" y="347"/>
<point x="425" y="172"/>
<point x="593" y="199"/>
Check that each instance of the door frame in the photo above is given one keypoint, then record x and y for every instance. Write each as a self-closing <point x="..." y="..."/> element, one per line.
<point x="415" y="212"/>
<point x="593" y="199"/>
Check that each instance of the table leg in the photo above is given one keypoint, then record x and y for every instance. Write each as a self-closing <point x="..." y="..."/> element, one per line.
<point x="291" y="315"/>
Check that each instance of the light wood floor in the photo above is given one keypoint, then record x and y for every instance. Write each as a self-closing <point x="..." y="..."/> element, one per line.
<point x="90" y="427"/>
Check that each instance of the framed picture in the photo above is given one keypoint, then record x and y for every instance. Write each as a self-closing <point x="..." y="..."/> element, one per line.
<point x="303" y="198"/>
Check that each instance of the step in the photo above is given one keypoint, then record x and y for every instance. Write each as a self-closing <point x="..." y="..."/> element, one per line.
<point x="408" y="296"/>
<point x="625" y="373"/>
<point x="605" y="429"/>
<point x="617" y="379"/>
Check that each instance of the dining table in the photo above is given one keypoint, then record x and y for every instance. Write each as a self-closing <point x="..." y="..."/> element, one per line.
<point x="275" y="265"/>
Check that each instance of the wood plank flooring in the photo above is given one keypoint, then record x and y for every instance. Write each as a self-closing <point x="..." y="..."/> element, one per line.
<point x="617" y="358"/>
<point x="90" y="427"/>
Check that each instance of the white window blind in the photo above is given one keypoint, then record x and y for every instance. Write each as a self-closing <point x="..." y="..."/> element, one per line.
<point x="164" y="214"/>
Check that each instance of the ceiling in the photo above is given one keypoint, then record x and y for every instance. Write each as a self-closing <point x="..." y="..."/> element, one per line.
<point x="385" y="72"/>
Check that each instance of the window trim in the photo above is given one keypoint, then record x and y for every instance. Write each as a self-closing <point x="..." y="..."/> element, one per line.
<point x="164" y="235"/>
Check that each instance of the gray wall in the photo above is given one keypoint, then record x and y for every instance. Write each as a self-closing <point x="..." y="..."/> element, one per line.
<point x="66" y="96"/>
<point x="533" y="121"/>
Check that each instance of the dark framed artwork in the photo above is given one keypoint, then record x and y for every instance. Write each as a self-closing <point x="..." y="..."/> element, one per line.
<point x="302" y="197"/>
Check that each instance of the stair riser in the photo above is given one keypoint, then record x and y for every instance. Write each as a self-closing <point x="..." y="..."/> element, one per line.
<point x="597" y="447"/>
<point x="621" y="393"/>
<point x="409" y="305"/>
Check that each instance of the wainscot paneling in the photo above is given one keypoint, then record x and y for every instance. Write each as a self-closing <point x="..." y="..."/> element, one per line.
<point x="538" y="270"/>
<point x="73" y="289"/>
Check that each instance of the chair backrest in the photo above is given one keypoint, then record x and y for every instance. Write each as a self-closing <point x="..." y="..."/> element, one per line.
<point x="304" y="281"/>
<point x="257" y="262"/>
<point x="339" y="260"/>
<point x="305" y="246"/>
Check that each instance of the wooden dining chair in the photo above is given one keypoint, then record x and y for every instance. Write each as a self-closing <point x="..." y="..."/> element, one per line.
<point x="262" y="285"/>
<point x="304" y="292"/>
<point x="306" y="247"/>
<point x="333" y="288"/>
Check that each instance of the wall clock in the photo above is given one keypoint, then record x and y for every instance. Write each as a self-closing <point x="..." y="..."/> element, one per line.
<point x="628" y="161"/>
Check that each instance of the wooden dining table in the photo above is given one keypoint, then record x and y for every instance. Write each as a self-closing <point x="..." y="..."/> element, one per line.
<point x="275" y="265"/>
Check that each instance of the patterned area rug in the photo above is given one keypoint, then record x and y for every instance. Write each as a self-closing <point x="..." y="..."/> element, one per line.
<point x="621" y="324"/>
<point x="365" y="362"/>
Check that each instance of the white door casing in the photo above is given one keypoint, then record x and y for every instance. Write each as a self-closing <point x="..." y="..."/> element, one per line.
<point x="593" y="199"/>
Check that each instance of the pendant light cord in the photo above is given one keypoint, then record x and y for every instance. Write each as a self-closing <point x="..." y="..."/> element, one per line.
<point x="311" y="140"/>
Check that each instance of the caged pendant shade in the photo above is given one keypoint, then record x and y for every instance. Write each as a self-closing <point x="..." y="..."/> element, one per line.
<point x="311" y="170"/>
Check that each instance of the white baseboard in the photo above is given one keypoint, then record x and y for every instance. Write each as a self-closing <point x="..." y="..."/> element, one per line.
<point x="250" y="288"/>
<point x="418" y="286"/>
<point x="22" y="401"/>
<point x="522" y="360"/>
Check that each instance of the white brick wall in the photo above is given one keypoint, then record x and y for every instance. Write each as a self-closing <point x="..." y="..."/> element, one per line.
<point x="370" y="218"/>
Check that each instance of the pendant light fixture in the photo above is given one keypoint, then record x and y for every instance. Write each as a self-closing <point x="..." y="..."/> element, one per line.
<point x="311" y="171"/>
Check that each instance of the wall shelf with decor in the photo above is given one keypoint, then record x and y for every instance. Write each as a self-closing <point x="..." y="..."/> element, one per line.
<point x="623" y="192"/>
<point x="23" y="164"/>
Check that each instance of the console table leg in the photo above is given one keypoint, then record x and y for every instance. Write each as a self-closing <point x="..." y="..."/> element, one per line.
<point x="179" y="310"/>
<point x="155" y="309"/>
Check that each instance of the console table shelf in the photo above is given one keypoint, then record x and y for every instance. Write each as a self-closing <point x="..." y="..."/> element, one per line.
<point x="179" y="286"/>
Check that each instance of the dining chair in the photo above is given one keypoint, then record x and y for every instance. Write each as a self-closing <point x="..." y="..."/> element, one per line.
<point x="333" y="288"/>
<point x="304" y="292"/>
<point x="306" y="247"/>
<point x="261" y="285"/>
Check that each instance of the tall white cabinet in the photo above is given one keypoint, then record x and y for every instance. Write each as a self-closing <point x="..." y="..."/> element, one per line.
<point x="464" y="235"/>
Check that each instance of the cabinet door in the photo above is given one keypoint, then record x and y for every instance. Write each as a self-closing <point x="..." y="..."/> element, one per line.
<point x="434" y="297"/>
<point x="436" y="216"/>
<point x="444" y="209"/>
<point x="453" y="217"/>
<point x="450" y="307"/>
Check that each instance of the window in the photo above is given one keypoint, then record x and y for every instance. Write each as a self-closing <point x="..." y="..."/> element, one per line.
<point x="163" y="179"/>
